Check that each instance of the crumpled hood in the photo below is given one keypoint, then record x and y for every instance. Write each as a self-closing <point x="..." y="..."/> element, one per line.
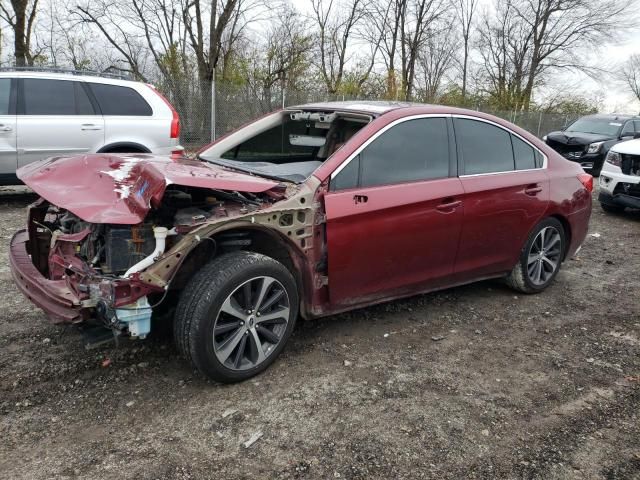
<point x="121" y="188"/>
<point x="576" y="138"/>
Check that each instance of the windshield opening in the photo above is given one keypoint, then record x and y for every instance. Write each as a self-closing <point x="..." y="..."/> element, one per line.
<point x="291" y="149"/>
<point x="600" y="126"/>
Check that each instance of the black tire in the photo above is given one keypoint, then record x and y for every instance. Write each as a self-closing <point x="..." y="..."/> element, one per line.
<point x="611" y="208"/>
<point x="519" y="279"/>
<point x="200" y="307"/>
<point x="124" y="150"/>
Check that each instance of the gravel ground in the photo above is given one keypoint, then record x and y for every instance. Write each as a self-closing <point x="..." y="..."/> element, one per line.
<point x="472" y="382"/>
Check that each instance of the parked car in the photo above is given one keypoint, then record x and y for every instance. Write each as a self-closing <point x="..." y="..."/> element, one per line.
<point x="587" y="140"/>
<point x="44" y="114"/>
<point x="620" y="178"/>
<point x="313" y="210"/>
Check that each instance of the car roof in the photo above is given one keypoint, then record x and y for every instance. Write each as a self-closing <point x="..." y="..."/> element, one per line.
<point x="66" y="76"/>
<point x="379" y="107"/>
<point x="611" y="116"/>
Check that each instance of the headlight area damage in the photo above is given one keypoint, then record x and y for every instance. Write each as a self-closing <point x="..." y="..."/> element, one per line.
<point x="116" y="244"/>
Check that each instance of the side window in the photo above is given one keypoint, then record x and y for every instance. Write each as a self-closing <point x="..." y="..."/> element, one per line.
<point x="83" y="104"/>
<point x="49" y="97"/>
<point x="628" y="130"/>
<point x="637" y="125"/>
<point x="539" y="159"/>
<point x="117" y="100"/>
<point x="5" y="96"/>
<point x="348" y="176"/>
<point x="524" y="154"/>
<point x="410" y="151"/>
<point x="485" y="148"/>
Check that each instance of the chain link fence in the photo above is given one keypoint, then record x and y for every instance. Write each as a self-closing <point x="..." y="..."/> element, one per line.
<point x="236" y="105"/>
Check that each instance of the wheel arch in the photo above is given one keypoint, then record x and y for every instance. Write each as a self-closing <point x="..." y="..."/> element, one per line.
<point x="124" y="147"/>
<point x="567" y="232"/>
<point x="258" y="239"/>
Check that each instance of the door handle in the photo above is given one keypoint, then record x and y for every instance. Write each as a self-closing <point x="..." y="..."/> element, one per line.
<point x="90" y="126"/>
<point x="5" y="128"/>
<point x="360" y="199"/>
<point x="448" y="205"/>
<point x="533" y="189"/>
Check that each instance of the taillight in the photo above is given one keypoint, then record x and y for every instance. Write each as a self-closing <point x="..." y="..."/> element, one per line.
<point x="177" y="153"/>
<point x="175" y="118"/>
<point x="586" y="180"/>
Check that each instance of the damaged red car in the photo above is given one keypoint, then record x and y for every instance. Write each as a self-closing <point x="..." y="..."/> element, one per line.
<point x="308" y="211"/>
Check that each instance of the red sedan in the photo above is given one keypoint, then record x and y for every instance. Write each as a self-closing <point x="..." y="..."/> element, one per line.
<point x="308" y="211"/>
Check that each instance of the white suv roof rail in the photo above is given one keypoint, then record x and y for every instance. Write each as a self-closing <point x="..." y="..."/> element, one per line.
<point x="69" y="71"/>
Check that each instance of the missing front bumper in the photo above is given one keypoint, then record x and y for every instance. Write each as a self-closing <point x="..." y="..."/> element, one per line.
<point x="54" y="297"/>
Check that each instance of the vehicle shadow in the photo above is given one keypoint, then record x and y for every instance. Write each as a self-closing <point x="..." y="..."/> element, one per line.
<point x="17" y="196"/>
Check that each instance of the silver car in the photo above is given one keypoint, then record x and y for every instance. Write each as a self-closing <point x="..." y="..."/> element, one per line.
<point x="45" y="114"/>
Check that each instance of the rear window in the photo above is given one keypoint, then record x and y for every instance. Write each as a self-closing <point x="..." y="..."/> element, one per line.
<point x="524" y="154"/>
<point x="122" y="101"/>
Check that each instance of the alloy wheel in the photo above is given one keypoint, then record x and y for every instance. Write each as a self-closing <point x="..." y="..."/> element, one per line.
<point x="251" y="323"/>
<point x="544" y="256"/>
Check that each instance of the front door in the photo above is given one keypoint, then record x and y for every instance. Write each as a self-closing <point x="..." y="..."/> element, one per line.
<point x="56" y="117"/>
<point x="394" y="215"/>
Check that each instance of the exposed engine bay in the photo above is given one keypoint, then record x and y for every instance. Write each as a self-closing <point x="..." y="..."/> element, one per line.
<point x="101" y="261"/>
<point x="113" y="249"/>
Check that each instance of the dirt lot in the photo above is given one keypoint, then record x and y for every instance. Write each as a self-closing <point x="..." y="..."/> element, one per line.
<point x="473" y="382"/>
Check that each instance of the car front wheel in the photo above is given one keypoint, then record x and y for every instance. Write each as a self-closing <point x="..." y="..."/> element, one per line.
<point x="236" y="315"/>
<point x="540" y="259"/>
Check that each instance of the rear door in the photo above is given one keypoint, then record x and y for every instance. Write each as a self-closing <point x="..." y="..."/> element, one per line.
<point x="394" y="214"/>
<point x="56" y="117"/>
<point x="506" y="192"/>
<point x="8" y="150"/>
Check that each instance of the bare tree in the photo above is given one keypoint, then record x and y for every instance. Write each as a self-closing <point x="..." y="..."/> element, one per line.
<point x="113" y="19"/>
<point x="405" y="26"/>
<point x="559" y="27"/>
<point x="465" y="11"/>
<point x="417" y="29"/>
<point x="504" y="45"/>
<point x="434" y="61"/>
<point x="528" y="39"/>
<point x="283" y="58"/>
<point x="631" y="74"/>
<point x="21" y="18"/>
<point x="337" y="24"/>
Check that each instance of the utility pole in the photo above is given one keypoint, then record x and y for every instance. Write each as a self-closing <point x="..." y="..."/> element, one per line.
<point x="213" y="106"/>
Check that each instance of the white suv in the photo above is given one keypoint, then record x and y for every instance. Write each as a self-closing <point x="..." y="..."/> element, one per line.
<point x="45" y="114"/>
<point x="620" y="177"/>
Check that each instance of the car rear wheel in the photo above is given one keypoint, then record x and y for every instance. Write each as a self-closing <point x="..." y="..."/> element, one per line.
<point x="611" y="208"/>
<point x="236" y="315"/>
<point x="541" y="258"/>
